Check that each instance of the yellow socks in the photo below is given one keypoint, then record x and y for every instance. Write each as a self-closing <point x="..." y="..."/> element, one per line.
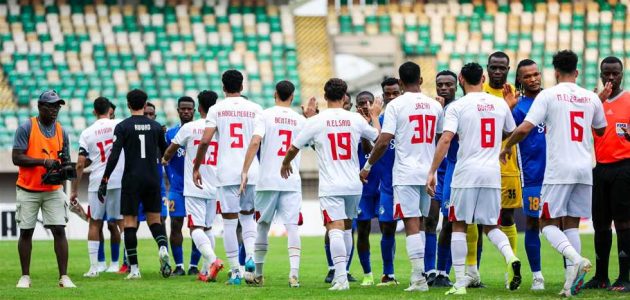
<point x="512" y="235"/>
<point x="472" y="234"/>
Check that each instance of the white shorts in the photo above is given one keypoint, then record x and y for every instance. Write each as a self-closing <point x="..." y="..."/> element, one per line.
<point x="201" y="212"/>
<point x="411" y="201"/>
<point x="335" y="208"/>
<point x="230" y="202"/>
<point x="562" y="200"/>
<point x="97" y="210"/>
<point x="475" y="205"/>
<point x="286" y="205"/>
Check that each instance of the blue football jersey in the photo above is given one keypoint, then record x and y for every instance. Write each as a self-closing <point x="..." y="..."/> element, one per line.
<point x="532" y="149"/>
<point x="175" y="168"/>
<point x="385" y="166"/>
<point x="161" y="174"/>
<point x="374" y="179"/>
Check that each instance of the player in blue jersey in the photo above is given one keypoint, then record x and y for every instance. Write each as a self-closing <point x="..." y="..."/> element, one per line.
<point x="177" y="207"/>
<point x="532" y="156"/>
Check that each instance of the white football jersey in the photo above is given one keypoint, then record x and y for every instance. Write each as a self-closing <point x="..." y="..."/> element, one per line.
<point x="234" y="120"/>
<point x="97" y="141"/>
<point x="479" y="119"/>
<point x="189" y="137"/>
<point x="414" y="119"/>
<point x="568" y="112"/>
<point x="335" y="133"/>
<point x="278" y="126"/>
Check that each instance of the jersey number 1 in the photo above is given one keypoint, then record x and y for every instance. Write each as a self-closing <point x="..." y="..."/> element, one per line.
<point x="338" y="141"/>
<point x="101" y="147"/>
<point x="143" y="147"/>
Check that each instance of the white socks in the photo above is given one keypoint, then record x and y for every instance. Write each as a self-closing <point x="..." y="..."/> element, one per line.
<point x="347" y="239"/>
<point x="459" y="248"/>
<point x="210" y="238"/>
<point x="248" y="225"/>
<point x="230" y="242"/>
<point x="295" y="247"/>
<point x="500" y="240"/>
<point x="561" y="243"/>
<point x="260" y="248"/>
<point x="204" y="245"/>
<point x="415" y="252"/>
<point x="93" y="253"/>
<point x="338" y="253"/>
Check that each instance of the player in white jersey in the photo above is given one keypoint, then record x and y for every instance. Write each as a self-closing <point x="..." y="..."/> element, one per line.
<point x="479" y="120"/>
<point x="335" y="135"/>
<point x="569" y="112"/>
<point x="276" y="127"/>
<point x="95" y="145"/>
<point x="413" y="120"/>
<point x="232" y="119"/>
<point x="201" y="206"/>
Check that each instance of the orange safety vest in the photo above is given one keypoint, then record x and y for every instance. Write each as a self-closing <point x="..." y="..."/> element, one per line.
<point x="42" y="147"/>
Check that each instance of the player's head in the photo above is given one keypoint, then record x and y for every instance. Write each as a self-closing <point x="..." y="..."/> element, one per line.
<point x="112" y="110"/>
<point x="136" y="99"/>
<point x="409" y="74"/>
<point x="206" y="100"/>
<point x="149" y="111"/>
<point x="528" y="77"/>
<point x="185" y="109"/>
<point x="335" y="90"/>
<point x="362" y="99"/>
<point x="565" y="64"/>
<point x="498" y="68"/>
<point x="391" y="89"/>
<point x="284" y="91"/>
<point x="611" y="70"/>
<point x="232" y="82"/>
<point x="471" y="75"/>
<point x="347" y="101"/>
<point x="446" y="85"/>
<point x="101" y="107"/>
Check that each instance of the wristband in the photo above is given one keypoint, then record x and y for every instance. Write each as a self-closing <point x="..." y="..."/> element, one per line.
<point x="367" y="166"/>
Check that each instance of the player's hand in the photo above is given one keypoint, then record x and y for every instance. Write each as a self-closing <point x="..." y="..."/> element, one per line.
<point x="510" y="96"/>
<point x="440" y="99"/>
<point x="363" y="175"/>
<point x="606" y="92"/>
<point x="51" y="163"/>
<point x="430" y="188"/>
<point x="197" y="179"/>
<point x="375" y="108"/>
<point x="102" y="190"/>
<point x="286" y="171"/>
<point x="311" y="108"/>
<point x="241" y="190"/>
<point x="73" y="198"/>
<point x="164" y="162"/>
<point x="506" y="153"/>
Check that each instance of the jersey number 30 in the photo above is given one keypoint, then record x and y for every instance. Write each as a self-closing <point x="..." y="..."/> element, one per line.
<point x="425" y="131"/>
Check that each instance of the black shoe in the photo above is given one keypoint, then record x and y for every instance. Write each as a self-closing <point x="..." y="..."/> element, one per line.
<point x="351" y="279"/>
<point x="430" y="278"/>
<point x="596" y="283"/>
<point x="193" y="271"/>
<point x="179" y="271"/>
<point x="620" y="286"/>
<point x="479" y="285"/>
<point x="330" y="276"/>
<point x="442" y="281"/>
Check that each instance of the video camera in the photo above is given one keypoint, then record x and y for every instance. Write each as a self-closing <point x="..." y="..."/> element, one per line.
<point x="60" y="172"/>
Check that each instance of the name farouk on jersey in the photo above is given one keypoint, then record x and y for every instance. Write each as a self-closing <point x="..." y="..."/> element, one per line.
<point x="142" y="127"/>
<point x="103" y="131"/>
<point x="237" y="113"/>
<point x="286" y="121"/>
<point x="337" y="123"/>
<point x="572" y="98"/>
<point x="423" y="105"/>
<point x="485" y="107"/>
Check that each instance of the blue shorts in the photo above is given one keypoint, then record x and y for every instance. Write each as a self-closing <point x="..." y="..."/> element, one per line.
<point x="386" y="208"/>
<point x="176" y="205"/>
<point x="531" y="201"/>
<point x="368" y="207"/>
<point x="141" y="216"/>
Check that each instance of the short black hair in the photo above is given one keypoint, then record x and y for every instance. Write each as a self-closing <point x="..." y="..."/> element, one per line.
<point x="285" y="89"/>
<point x="207" y="99"/>
<point x="112" y="105"/>
<point x="409" y="72"/>
<point x="335" y="89"/>
<point x="565" y="61"/>
<point x="472" y="73"/>
<point x="185" y="99"/>
<point x="232" y="81"/>
<point x="499" y="54"/>
<point x="137" y="99"/>
<point x="611" y="60"/>
<point x="149" y="104"/>
<point x="349" y="97"/>
<point x="101" y="105"/>
<point x="364" y="93"/>
<point x="523" y="63"/>
<point x="446" y="73"/>
<point x="388" y="82"/>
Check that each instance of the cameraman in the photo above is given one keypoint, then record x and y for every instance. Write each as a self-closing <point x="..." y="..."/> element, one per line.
<point x="36" y="148"/>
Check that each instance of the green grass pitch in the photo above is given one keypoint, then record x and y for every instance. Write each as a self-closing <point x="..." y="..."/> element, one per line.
<point x="312" y="273"/>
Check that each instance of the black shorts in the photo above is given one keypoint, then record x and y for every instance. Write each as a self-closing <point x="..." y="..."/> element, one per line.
<point x="611" y="192"/>
<point x="147" y="193"/>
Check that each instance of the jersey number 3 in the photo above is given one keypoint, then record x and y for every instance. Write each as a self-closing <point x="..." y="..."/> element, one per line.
<point x="286" y="143"/>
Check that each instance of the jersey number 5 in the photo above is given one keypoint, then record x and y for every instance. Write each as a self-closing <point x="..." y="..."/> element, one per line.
<point x="237" y="137"/>
<point x="425" y="131"/>
<point x="338" y="141"/>
<point x="577" y="131"/>
<point x="101" y="147"/>
<point x="487" y="132"/>
<point x="286" y="143"/>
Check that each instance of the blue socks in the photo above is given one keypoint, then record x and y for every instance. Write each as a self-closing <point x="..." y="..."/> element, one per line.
<point x="195" y="255"/>
<point x="479" y="251"/>
<point x="115" y="249"/>
<point x="101" y="251"/>
<point x="532" y="247"/>
<point x="444" y="258"/>
<point x="429" y="251"/>
<point x="388" y="249"/>
<point x="350" y="259"/>
<point x="328" y="255"/>
<point x="178" y="254"/>
<point x="364" y="258"/>
<point x="241" y="254"/>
